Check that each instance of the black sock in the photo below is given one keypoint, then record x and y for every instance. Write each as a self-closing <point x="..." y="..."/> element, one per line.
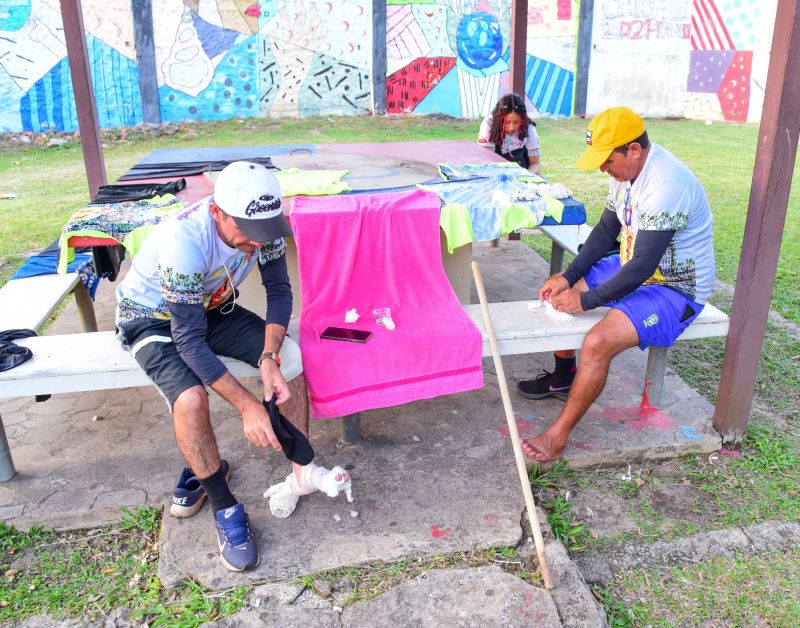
<point x="218" y="492"/>
<point x="564" y="372"/>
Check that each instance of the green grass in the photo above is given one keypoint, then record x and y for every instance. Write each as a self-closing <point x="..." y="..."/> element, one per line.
<point x="777" y="389"/>
<point x="348" y="585"/>
<point x="762" y="485"/>
<point x="738" y="591"/>
<point x="50" y="182"/>
<point x="88" y="574"/>
<point x="116" y="566"/>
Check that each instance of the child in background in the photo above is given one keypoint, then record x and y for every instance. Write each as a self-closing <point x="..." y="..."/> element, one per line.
<point x="511" y="133"/>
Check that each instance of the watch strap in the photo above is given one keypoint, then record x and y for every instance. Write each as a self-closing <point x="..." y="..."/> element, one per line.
<point x="269" y="355"/>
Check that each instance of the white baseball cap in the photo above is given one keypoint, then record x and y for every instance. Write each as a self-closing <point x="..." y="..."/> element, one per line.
<point x="251" y="195"/>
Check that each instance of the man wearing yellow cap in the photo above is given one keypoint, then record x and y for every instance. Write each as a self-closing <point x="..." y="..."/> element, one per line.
<point x="655" y="286"/>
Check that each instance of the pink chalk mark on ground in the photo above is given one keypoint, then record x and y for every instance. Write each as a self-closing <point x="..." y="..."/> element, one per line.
<point x="582" y="446"/>
<point x="491" y="521"/>
<point x="525" y="425"/>
<point x="438" y="533"/>
<point x="527" y="610"/>
<point x="637" y="418"/>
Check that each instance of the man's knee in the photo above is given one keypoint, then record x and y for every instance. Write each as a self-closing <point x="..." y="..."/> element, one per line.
<point x="192" y="402"/>
<point x="613" y="334"/>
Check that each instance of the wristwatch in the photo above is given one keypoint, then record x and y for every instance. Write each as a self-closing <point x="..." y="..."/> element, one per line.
<point x="269" y="355"/>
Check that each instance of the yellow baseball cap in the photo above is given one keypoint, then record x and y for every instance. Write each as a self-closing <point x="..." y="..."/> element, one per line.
<point x="608" y="130"/>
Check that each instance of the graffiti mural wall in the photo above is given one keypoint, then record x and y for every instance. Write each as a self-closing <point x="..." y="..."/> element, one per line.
<point x="730" y="45"/>
<point x="702" y="59"/>
<point x="639" y="56"/>
<point x="217" y="59"/>
<point x="451" y="56"/>
<point x="35" y="85"/>
<point x="223" y="58"/>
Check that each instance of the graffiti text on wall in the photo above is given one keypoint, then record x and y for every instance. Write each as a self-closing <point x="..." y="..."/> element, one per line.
<point x="645" y="19"/>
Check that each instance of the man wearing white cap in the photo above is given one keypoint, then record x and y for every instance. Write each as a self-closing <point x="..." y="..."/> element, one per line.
<point x="177" y="310"/>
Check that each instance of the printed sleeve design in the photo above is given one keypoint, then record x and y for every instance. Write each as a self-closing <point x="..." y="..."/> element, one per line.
<point x="270" y="251"/>
<point x="665" y="221"/>
<point x="177" y="287"/>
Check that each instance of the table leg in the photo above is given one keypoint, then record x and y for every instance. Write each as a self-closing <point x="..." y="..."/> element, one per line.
<point x="351" y="429"/>
<point x="556" y="259"/>
<point x="7" y="470"/>
<point x="654" y="376"/>
<point x="86" y="315"/>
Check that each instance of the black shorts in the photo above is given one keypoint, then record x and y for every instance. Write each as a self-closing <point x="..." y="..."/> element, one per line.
<point x="238" y="334"/>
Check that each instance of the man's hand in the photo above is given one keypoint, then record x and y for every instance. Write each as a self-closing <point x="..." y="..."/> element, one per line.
<point x="552" y="286"/>
<point x="274" y="382"/>
<point x="568" y="301"/>
<point x="257" y="426"/>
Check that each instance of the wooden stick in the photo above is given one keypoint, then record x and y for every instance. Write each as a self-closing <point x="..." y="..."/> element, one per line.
<point x="512" y="431"/>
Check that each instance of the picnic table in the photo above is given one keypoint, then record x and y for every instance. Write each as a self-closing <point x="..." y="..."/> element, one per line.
<point x="369" y="166"/>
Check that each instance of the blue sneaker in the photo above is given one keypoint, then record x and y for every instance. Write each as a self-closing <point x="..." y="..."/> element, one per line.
<point x="237" y="547"/>
<point x="188" y="496"/>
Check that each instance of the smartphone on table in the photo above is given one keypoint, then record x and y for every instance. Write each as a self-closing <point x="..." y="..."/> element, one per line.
<point x="346" y="334"/>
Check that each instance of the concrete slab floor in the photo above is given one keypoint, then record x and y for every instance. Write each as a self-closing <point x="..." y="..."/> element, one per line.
<point x="429" y="477"/>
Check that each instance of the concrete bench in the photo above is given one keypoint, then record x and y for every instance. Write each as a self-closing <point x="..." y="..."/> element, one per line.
<point x="95" y="361"/>
<point x="520" y="329"/>
<point x="29" y="302"/>
<point x="565" y="238"/>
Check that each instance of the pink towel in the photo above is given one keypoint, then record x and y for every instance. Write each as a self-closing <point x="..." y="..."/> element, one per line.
<point x="379" y="250"/>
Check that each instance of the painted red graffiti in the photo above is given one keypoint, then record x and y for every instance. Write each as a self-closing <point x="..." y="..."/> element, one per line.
<point x="525" y="425"/>
<point x="439" y="533"/>
<point x="734" y="91"/>
<point x="411" y="84"/>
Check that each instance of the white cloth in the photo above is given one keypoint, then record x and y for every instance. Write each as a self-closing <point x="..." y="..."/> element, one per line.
<point x="283" y="497"/>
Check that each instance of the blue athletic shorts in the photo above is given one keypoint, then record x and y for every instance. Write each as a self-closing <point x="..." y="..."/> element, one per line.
<point x="658" y="313"/>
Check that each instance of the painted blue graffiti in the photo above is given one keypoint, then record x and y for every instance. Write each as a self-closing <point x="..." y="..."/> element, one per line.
<point x="335" y="86"/>
<point x="549" y="86"/>
<point x="233" y="91"/>
<point x="50" y="102"/>
<point x="479" y="42"/>
<point x="14" y="14"/>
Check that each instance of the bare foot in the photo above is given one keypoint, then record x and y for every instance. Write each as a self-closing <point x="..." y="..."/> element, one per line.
<point x="543" y="447"/>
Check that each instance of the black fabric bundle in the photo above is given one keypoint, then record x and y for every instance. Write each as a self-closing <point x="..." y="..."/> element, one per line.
<point x="294" y="442"/>
<point x="11" y="354"/>
<point x="135" y="191"/>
